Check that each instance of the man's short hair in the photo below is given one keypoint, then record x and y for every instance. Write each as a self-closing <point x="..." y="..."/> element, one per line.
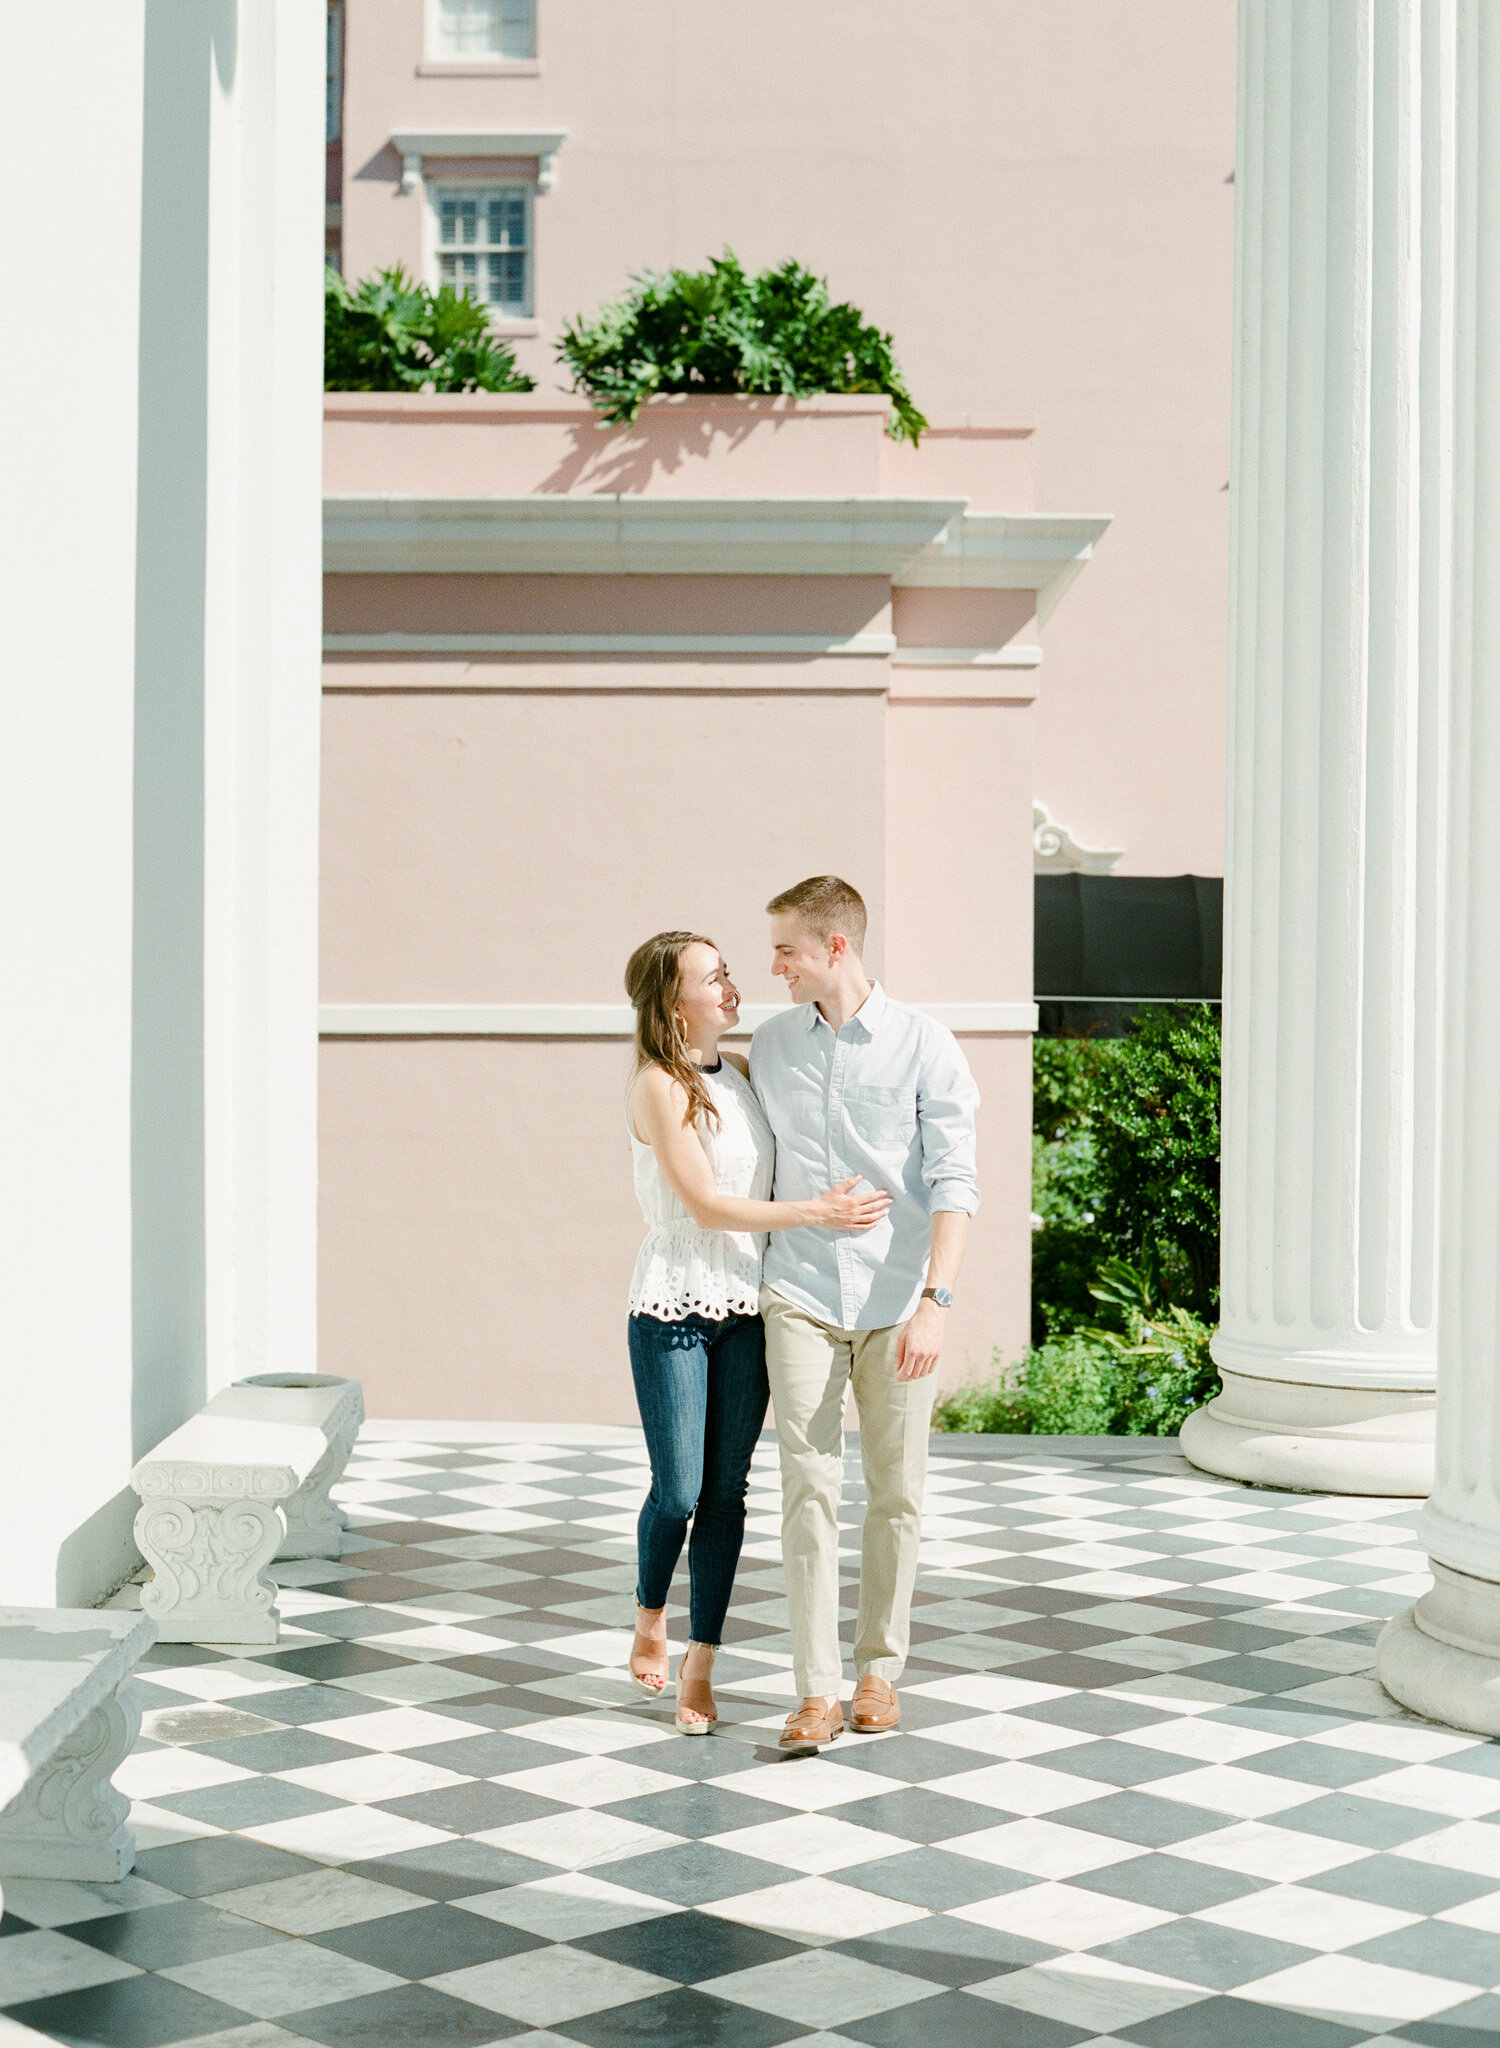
<point x="824" y="905"/>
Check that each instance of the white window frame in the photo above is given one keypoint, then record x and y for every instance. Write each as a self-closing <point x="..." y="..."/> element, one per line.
<point x="436" y="54"/>
<point x="502" y="319"/>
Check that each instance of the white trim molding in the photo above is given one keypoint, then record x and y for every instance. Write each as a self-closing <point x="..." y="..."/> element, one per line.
<point x="417" y="143"/>
<point x="1056" y="852"/>
<point x="1013" y="654"/>
<point x="610" y="534"/>
<point x="1040" y="551"/>
<point x="859" y="645"/>
<point x="597" y="1020"/>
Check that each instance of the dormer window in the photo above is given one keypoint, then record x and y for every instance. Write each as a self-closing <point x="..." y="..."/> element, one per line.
<point x="482" y="31"/>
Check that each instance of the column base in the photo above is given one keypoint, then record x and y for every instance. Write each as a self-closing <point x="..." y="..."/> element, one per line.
<point x="1441" y="1658"/>
<point x="1315" y="1439"/>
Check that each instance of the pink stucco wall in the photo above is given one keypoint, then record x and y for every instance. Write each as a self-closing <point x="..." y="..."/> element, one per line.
<point x="1034" y="196"/>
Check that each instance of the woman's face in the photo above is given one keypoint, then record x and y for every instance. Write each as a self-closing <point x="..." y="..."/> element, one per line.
<point x="707" y="1000"/>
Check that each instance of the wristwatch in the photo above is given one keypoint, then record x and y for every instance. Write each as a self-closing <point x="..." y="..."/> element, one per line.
<point x="943" y="1296"/>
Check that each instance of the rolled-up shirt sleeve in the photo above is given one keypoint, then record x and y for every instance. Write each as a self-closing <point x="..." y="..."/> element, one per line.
<point x="947" y="1100"/>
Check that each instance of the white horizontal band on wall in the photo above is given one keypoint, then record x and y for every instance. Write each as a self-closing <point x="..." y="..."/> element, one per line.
<point x="1013" y="655"/>
<point x="594" y="1020"/>
<point x="610" y="643"/>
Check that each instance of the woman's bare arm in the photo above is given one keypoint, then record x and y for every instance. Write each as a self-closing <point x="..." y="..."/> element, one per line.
<point x="659" y="1106"/>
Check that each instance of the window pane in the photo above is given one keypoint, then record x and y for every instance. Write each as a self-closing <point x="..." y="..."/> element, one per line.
<point x="518" y="28"/>
<point x="507" y="221"/>
<point x="507" y="280"/>
<point x="458" y="218"/>
<point x="469" y="28"/>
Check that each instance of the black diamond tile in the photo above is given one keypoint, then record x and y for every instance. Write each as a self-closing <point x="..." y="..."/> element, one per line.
<point x="218" y="1863"/>
<point x="681" y="2019"/>
<point x="696" y="1873"/>
<point x="934" y="1878"/>
<point x="696" y="1810"/>
<point x="917" y="1814"/>
<point x="470" y="1809"/>
<point x="452" y="1870"/>
<point x="689" y="1946"/>
<point x="295" y="1705"/>
<point x="1437" y="1948"/>
<point x="280" y="1749"/>
<point x="1093" y="1713"/>
<point x="1374" y="1823"/>
<point x="1175" y="1884"/>
<point x="248" y="1803"/>
<point x="1237" y="2023"/>
<point x="1474" y="2024"/>
<point x="332" y="1660"/>
<point x="1119" y="1763"/>
<point x="428" y="1941"/>
<point x="1402" y="1882"/>
<point x="956" y="2019"/>
<point x="136" y="2012"/>
<point x="1200" y="1952"/>
<point x="402" y="2018"/>
<point x="160" y="1937"/>
<point x="952" y="1966"/>
<point x="1138" y="1817"/>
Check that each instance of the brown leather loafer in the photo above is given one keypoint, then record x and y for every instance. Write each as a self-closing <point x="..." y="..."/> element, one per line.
<point x="875" y="1707"/>
<point x="812" y="1725"/>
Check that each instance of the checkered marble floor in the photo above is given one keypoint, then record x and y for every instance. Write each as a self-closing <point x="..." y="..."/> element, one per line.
<point x="1146" y="1789"/>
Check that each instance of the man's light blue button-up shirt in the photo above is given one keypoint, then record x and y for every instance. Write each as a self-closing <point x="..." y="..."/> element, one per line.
<point x="890" y="1098"/>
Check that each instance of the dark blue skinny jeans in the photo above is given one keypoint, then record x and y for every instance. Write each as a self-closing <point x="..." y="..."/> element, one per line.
<point x="702" y="1391"/>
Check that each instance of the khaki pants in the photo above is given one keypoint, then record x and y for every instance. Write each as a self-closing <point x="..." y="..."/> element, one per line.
<point x="809" y="1364"/>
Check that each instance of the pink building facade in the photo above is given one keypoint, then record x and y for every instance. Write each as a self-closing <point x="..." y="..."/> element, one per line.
<point x="582" y="685"/>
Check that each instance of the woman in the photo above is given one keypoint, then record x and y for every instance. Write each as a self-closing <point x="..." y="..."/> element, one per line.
<point x="703" y="1168"/>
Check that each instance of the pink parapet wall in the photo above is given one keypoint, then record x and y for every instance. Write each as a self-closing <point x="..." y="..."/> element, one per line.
<point x="516" y="443"/>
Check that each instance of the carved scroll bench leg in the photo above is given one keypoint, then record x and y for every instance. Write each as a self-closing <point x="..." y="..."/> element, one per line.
<point x="70" y="1822"/>
<point x="314" y="1523"/>
<point x="208" y="1560"/>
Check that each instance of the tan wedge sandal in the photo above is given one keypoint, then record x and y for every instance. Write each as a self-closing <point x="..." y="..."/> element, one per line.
<point x="707" y="1725"/>
<point x="652" y="1683"/>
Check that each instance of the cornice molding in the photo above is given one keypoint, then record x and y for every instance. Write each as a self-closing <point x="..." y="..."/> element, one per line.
<point x="597" y="1020"/>
<point x="417" y="143"/>
<point x="609" y="534"/>
<point x="858" y="645"/>
<point x="1040" y="551"/>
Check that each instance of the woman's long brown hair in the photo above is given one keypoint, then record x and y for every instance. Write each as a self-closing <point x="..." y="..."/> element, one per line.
<point x="653" y="982"/>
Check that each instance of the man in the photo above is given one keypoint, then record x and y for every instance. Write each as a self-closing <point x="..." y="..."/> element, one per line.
<point x="854" y="1083"/>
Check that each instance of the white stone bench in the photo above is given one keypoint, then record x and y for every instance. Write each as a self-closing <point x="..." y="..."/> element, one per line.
<point x="314" y="1523"/>
<point x="211" y="1520"/>
<point x="68" y="1717"/>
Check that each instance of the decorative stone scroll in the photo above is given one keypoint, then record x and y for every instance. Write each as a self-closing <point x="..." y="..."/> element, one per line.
<point x="211" y="1520"/>
<point x="68" y="1717"/>
<point x="314" y="1523"/>
<point x="1056" y="852"/>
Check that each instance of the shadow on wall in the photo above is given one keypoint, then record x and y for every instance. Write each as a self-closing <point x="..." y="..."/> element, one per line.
<point x="606" y="458"/>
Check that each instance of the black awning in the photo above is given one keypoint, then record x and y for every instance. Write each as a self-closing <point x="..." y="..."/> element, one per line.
<point x="1106" y="943"/>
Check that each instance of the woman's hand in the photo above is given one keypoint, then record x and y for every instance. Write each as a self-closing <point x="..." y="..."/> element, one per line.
<point x="841" y="1209"/>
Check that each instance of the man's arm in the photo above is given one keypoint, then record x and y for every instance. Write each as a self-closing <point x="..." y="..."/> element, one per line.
<point x="946" y="1103"/>
<point x="921" y="1341"/>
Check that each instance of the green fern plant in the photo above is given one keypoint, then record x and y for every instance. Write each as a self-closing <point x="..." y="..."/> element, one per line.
<point x="721" y="330"/>
<point x="391" y="333"/>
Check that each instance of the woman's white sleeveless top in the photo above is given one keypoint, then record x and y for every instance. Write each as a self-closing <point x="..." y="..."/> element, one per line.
<point x="682" y="1269"/>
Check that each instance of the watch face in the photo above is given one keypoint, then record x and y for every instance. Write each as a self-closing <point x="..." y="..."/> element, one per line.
<point x="942" y="1296"/>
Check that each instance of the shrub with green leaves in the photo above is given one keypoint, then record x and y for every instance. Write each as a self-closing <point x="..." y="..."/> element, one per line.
<point x="390" y="333"/>
<point x="1154" y="1119"/>
<point x="721" y="330"/>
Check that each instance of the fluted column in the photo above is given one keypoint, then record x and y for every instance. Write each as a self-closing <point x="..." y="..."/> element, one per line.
<point x="1330" y="1058"/>
<point x="1442" y="1657"/>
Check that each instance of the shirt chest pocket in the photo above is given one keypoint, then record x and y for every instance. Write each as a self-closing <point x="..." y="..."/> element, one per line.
<point x="883" y="1115"/>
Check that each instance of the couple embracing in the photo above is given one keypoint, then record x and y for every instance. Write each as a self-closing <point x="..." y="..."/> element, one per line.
<point x="806" y="1213"/>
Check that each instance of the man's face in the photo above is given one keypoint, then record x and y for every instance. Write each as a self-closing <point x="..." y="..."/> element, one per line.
<point x="804" y="961"/>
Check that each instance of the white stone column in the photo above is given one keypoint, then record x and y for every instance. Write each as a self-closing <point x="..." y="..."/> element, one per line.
<point x="1326" y="1343"/>
<point x="159" y="615"/>
<point x="1442" y="1657"/>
